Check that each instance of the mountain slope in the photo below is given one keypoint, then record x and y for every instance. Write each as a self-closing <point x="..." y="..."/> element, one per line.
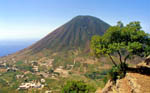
<point x="74" y="34"/>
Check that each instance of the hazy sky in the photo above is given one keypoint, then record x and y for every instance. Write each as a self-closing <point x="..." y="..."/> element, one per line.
<point x="33" y="19"/>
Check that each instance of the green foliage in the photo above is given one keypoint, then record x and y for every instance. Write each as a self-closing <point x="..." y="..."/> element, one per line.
<point x="126" y="40"/>
<point x="97" y="75"/>
<point x="105" y="79"/>
<point x="117" y="72"/>
<point x="77" y="87"/>
<point x="9" y="82"/>
<point x="22" y="66"/>
<point x="62" y="61"/>
<point x="51" y="71"/>
<point x="19" y="63"/>
<point x="3" y="82"/>
<point x="32" y="77"/>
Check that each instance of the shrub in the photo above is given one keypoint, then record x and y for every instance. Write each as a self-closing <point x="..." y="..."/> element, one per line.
<point x="77" y="87"/>
<point x="51" y="71"/>
<point x="3" y="82"/>
<point x="70" y="72"/>
<point x="105" y="79"/>
<point x="117" y="72"/>
<point x="97" y="75"/>
<point x="94" y="75"/>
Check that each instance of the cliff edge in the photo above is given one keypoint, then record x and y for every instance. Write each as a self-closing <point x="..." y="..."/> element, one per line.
<point x="137" y="81"/>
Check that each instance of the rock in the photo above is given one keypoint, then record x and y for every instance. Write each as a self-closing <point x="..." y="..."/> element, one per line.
<point x="147" y="60"/>
<point x="131" y="83"/>
<point x="108" y="87"/>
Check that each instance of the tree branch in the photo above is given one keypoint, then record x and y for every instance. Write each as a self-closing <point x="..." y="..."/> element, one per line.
<point x="112" y="60"/>
<point x="120" y="57"/>
<point x="125" y="59"/>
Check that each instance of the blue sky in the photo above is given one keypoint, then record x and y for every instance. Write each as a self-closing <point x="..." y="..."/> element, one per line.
<point x="33" y="19"/>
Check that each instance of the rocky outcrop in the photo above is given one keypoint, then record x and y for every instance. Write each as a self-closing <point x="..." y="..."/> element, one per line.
<point x="137" y="80"/>
<point x="108" y="87"/>
<point x="132" y="83"/>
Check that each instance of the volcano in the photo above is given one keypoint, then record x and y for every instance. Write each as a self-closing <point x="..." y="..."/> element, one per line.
<point x="74" y="34"/>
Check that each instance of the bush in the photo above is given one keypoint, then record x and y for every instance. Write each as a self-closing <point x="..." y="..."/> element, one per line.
<point x="97" y="75"/>
<point x="117" y="72"/>
<point x="77" y="87"/>
<point x="3" y="82"/>
<point x="94" y="75"/>
<point x="105" y="79"/>
<point x="51" y="71"/>
<point x="22" y="66"/>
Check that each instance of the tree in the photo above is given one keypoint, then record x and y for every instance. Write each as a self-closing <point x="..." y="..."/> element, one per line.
<point x="125" y="41"/>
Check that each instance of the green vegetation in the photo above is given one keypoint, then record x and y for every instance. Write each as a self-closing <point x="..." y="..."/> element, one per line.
<point x="116" y="72"/>
<point x="22" y="66"/>
<point x="97" y="75"/>
<point x="77" y="87"/>
<point x="125" y="41"/>
<point x="32" y="77"/>
<point x="8" y="82"/>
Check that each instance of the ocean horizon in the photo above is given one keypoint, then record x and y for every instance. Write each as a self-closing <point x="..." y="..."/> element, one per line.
<point x="11" y="46"/>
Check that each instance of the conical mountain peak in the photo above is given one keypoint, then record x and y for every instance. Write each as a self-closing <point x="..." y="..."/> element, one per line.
<point x="74" y="34"/>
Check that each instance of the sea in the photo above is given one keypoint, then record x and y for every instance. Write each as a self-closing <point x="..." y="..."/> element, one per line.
<point x="11" y="46"/>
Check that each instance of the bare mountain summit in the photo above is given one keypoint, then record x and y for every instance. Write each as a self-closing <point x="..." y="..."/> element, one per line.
<point x="74" y="34"/>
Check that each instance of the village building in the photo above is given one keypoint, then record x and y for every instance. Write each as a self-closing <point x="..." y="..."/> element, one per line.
<point x="61" y="71"/>
<point x="35" y="68"/>
<point x="31" y="85"/>
<point x="43" y="80"/>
